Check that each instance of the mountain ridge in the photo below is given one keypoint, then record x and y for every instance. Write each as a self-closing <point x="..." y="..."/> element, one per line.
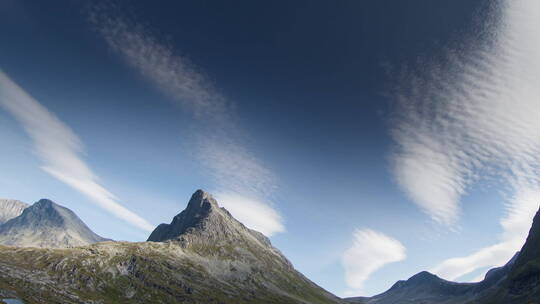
<point x="203" y="222"/>
<point x="209" y="258"/>
<point x="518" y="281"/>
<point x="48" y="225"/>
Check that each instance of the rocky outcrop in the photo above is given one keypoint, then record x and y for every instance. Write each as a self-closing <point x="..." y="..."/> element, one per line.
<point x="10" y="209"/>
<point x="203" y="223"/>
<point x="47" y="224"/>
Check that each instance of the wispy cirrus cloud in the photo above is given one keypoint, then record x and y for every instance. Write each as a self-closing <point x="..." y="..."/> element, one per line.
<point x="60" y="149"/>
<point x="473" y="118"/>
<point x="370" y="251"/>
<point x="218" y="144"/>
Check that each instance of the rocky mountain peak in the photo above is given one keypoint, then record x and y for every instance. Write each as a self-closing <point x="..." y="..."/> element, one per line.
<point x="200" y="204"/>
<point x="203" y="224"/>
<point x="200" y="208"/>
<point x="47" y="224"/>
<point x="10" y="209"/>
<point x="44" y="203"/>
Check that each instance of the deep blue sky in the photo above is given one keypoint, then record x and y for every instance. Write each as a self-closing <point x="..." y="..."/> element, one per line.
<point x="311" y="84"/>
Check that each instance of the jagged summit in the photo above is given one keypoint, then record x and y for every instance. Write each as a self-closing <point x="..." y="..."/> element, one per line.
<point x="201" y="200"/>
<point x="10" y="209"/>
<point x="47" y="224"/>
<point x="202" y="214"/>
<point x="199" y="208"/>
<point x="203" y="224"/>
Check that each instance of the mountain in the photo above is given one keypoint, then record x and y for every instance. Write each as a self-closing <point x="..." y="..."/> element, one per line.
<point x="203" y="256"/>
<point x="522" y="284"/>
<point x="49" y="225"/>
<point x="203" y="223"/>
<point x="427" y="288"/>
<point x="424" y="287"/>
<point x="10" y="209"/>
<point x="516" y="282"/>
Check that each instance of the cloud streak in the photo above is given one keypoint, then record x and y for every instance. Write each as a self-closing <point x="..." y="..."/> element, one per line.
<point x="218" y="143"/>
<point x="370" y="251"/>
<point x="60" y="150"/>
<point x="251" y="210"/>
<point x="472" y="118"/>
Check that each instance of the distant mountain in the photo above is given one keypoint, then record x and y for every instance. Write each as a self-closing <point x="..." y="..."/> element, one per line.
<point x="516" y="282"/>
<point x="425" y="288"/>
<point x="10" y="209"/>
<point x="203" y="256"/>
<point x="46" y="224"/>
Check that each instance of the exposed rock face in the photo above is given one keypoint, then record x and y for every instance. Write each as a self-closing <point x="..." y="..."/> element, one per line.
<point x="204" y="223"/>
<point x="200" y="213"/>
<point x="203" y="256"/>
<point x="10" y="209"/>
<point x="46" y="224"/>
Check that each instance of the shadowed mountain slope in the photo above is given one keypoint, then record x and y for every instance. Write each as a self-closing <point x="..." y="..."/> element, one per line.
<point x="516" y="282"/>
<point x="522" y="284"/>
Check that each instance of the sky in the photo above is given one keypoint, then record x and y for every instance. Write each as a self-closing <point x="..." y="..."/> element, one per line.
<point x="370" y="140"/>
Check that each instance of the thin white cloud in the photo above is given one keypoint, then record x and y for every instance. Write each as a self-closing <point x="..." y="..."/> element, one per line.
<point x="252" y="212"/>
<point x="370" y="251"/>
<point x="218" y="143"/>
<point x="60" y="149"/>
<point x="472" y="119"/>
<point x="516" y="225"/>
<point x="175" y="75"/>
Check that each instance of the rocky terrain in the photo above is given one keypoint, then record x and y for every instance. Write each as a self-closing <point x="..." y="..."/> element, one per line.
<point x="47" y="225"/>
<point x="203" y="256"/>
<point x="10" y="209"/>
